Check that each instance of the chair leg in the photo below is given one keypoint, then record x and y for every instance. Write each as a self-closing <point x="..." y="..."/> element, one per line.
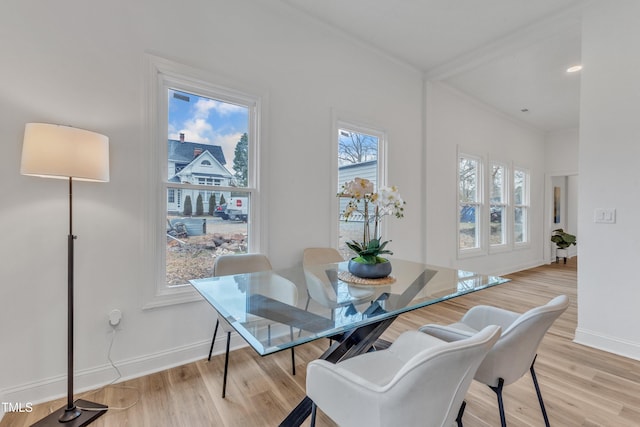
<point x="293" y="355"/>
<point x="314" y="408"/>
<point x="535" y="383"/>
<point x="226" y="366"/>
<point x="215" y="331"/>
<point x="498" y="391"/>
<point x="461" y="413"/>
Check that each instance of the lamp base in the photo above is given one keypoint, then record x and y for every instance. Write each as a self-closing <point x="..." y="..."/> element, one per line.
<point x="86" y="417"/>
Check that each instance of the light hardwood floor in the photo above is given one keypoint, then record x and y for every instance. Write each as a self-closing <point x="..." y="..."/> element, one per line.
<point x="581" y="386"/>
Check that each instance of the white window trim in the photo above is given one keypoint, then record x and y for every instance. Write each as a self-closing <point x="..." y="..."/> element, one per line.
<point x="340" y="121"/>
<point x="482" y="211"/>
<point x="159" y="74"/>
<point x="527" y="193"/>
<point x="508" y="209"/>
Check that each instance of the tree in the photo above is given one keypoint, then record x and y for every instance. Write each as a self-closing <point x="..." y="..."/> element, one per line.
<point x="212" y="204"/>
<point x="468" y="170"/>
<point x="222" y="200"/>
<point x="199" y="205"/>
<point x="188" y="209"/>
<point x="356" y="147"/>
<point x="241" y="161"/>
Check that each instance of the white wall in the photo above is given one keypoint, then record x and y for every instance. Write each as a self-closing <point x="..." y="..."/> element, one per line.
<point x="561" y="162"/>
<point x="454" y="119"/>
<point x="608" y="291"/>
<point x="81" y="63"/>
<point x="561" y="151"/>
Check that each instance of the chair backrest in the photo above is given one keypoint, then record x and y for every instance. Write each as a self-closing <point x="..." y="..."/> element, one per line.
<point x="430" y="388"/>
<point x="241" y="263"/>
<point x="516" y="349"/>
<point x="273" y="286"/>
<point x="418" y="381"/>
<point x="315" y="256"/>
<point x="319" y="285"/>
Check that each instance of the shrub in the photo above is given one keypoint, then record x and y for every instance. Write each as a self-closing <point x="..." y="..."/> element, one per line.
<point x="188" y="209"/>
<point x="212" y="204"/>
<point x="199" y="205"/>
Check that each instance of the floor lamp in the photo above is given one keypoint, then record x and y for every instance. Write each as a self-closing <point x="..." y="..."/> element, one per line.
<point x="54" y="151"/>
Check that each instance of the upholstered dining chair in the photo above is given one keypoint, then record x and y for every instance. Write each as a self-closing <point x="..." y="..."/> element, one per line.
<point x="322" y="285"/>
<point x="240" y="264"/>
<point x="515" y="351"/>
<point x="418" y="381"/>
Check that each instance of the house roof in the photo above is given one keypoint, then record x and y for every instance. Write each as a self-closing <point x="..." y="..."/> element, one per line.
<point x="357" y="165"/>
<point x="185" y="152"/>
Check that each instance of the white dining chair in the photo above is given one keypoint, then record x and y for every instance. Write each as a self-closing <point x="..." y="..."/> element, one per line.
<point x="418" y="381"/>
<point x="515" y="351"/>
<point x="322" y="284"/>
<point x="248" y="263"/>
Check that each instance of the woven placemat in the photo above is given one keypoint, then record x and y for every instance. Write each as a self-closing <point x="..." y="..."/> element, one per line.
<point x="345" y="276"/>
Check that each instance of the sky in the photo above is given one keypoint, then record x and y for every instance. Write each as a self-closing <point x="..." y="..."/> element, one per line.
<point x="207" y="121"/>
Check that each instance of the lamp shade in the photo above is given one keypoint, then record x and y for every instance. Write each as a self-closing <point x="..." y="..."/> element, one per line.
<point x="56" y="151"/>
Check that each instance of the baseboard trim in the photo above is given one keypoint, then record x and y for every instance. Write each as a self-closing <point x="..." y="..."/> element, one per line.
<point x="517" y="268"/>
<point x="93" y="378"/>
<point x="609" y="344"/>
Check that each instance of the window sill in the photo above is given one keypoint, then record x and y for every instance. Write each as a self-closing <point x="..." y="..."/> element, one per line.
<point x="172" y="296"/>
<point x="471" y="253"/>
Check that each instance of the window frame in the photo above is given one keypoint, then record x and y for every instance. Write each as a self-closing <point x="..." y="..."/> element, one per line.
<point x="480" y="207"/>
<point x="526" y="206"/>
<point x="341" y="122"/>
<point x="506" y="207"/>
<point x="483" y="208"/>
<point x="160" y="75"/>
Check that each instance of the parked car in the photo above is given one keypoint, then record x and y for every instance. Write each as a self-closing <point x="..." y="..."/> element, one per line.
<point x="221" y="211"/>
<point x="237" y="209"/>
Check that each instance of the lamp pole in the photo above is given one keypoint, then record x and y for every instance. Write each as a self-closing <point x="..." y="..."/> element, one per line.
<point x="71" y="411"/>
<point x="55" y="151"/>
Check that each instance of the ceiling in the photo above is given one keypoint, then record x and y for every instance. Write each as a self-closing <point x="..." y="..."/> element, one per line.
<point x="510" y="54"/>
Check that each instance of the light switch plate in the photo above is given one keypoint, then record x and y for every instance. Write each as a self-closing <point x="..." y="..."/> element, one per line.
<point x="604" y="216"/>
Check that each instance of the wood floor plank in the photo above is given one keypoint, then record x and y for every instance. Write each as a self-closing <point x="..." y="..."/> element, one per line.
<point x="581" y="386"/>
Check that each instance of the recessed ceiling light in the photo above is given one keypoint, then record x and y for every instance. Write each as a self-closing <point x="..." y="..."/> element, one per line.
<point x="574" y="69"/>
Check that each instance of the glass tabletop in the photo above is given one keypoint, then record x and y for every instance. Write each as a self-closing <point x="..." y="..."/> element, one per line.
<point x="279" y="309"/>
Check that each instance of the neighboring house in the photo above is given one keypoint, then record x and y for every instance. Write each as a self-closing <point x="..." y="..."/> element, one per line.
<point x="346" y="173"/>
<point x="194" y="163"/>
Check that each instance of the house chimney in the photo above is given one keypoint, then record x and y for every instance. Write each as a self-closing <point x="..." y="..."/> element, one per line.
<point x="197" y="152"/>
<point x="182" y="138"/>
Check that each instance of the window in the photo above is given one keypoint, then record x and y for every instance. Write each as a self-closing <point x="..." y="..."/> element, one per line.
<point x="521" y="206"/>
<point x="498" y="220"/>
<point x="203" y="140"/>
<point x="206" y="132"/>
<point x="469" y="202"/>
<point x="498" y="205"/>
<point x="360" y="152"/>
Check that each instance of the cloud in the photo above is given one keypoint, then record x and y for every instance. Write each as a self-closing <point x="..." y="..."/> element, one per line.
<point x="198" y="126"/>
<point x="228" y="143"/>
<point x="204" y="106"/>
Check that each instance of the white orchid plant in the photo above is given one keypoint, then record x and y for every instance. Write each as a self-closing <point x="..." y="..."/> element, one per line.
<point x="386" y="201"/>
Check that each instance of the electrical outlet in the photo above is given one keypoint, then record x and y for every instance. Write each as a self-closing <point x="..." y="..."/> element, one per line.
<point x="114" y="317"/>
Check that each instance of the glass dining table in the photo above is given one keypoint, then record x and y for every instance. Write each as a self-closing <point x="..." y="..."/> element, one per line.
<point x="279" y="309"/>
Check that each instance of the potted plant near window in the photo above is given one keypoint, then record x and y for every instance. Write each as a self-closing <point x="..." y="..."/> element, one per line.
<point x="369" y="263"/>
<point x="563" y="241"/>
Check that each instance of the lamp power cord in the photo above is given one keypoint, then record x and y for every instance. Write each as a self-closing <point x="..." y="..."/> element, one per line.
<point x="111" y="383"/>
